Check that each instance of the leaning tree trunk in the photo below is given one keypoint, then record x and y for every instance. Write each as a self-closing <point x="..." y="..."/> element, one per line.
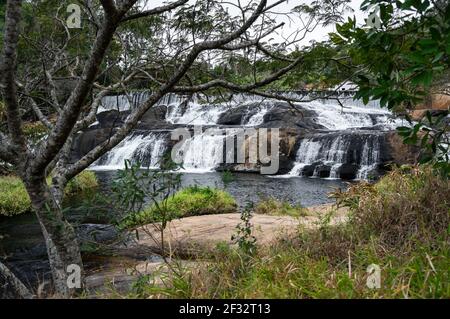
<point x="60" y="238"/>
<point x="10" y="286"/>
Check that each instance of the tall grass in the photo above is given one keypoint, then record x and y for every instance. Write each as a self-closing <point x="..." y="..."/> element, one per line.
<point x="274" y="207"/>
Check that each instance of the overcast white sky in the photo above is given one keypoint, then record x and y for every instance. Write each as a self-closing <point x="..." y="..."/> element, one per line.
<point x="319" y="34"/>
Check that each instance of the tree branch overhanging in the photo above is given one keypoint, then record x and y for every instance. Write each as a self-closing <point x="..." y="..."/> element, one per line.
<point x="154" y="11"/>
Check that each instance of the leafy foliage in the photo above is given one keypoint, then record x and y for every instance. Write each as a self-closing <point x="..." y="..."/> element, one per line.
<point x="399" y="223"/>
<point x="243" y="237"/>
<point x="399" y="62"/>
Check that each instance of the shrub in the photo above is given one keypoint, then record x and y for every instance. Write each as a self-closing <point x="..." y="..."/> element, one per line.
<point x="84" y="182"/>
<point x="191" y="201"/>
<point x="34" y="130"/>
<point x="274" y="207"/>
<point x="14" y="199"/>
<point x="404" y="206"/>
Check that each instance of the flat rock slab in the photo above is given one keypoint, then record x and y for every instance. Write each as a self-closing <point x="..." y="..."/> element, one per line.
<point x="188" y="237"/>
<point x="191" y="237"/>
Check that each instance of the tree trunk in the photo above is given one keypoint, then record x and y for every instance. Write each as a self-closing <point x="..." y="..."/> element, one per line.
<point x="10" y="286"/>
<point x="60" y="238"/>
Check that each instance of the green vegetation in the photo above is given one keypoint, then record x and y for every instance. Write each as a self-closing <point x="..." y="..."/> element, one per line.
<point x="83" y="183"/>
<point x="34" y="130"/>
<point x="391" y="225"/>
<point x="271" y="206"/>
<point x="14" y="199"/>
<point x="191" y="201"/>
<point x="401" y="62"/>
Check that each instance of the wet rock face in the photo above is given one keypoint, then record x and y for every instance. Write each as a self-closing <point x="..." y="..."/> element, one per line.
<point x="275" y="115"/>
<point x="285" y="116"/>
<point x="348" y="171"/>
<point x="111" y="118"/>
<point x="234" y="117"/>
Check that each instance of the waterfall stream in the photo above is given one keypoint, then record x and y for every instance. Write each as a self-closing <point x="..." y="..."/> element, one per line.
<point x="145" y="148"/>
<point x="353" y="141"/>
<point x="325" y="155"/>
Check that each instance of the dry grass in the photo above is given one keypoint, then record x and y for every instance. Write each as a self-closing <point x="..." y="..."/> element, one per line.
<point x="402" y="208"/>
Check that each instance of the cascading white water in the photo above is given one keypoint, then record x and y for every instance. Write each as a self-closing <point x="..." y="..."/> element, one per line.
<point x="146" y="149"/>
<point x="202" y="153"/>
<point x="253" y="118"/>
<point x="370" y="157"/>
<point x="334" y="117"/>
<point x="128" y="102"/>
<point x="329" y="152"/>
<point x="195" y="114"/>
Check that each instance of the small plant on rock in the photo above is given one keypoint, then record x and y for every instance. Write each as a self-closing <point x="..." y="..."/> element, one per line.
<point x="244" y="238"/>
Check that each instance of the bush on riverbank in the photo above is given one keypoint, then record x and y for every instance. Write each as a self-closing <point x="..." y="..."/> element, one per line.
<point x="14" y="199"/>
<point x="400" y="224"/>
<point x="406" y="205"/>
<point x="191" y="201"/>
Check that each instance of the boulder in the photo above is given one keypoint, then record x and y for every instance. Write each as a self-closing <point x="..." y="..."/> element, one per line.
<point x="236" y="116"/>
<point x="97" y="233"/>
<point x="191" y="236"/>
<point x="112" y="118"/>
<point x="284" y="115"/>
<point x="322" y="171"/>
<point x="348" y="171"/>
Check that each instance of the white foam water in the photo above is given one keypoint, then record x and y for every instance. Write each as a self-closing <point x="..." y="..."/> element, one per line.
<point x="145" y="149"/>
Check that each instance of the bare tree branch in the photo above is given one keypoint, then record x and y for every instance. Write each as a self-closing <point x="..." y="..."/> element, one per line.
<point x="167" y="87"/>
<point x="72" y="108"/>
<point x="154" y="11"/>
<point x="235" y="87"/>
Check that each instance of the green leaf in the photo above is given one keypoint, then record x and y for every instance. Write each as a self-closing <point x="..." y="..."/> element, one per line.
<point x="424" y="78"/>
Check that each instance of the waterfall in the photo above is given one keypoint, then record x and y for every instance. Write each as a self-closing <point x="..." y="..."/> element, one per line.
<point x="350" y="149"/>
<point x="370" y="157"/>
<point x="202" y="153"/>
<point x="325" y="155"/>
<point x="335" y="117"/>
<point x="129" y="102"/>
<point x="253" y="118"/>
<point x="195" y="114"/>
<point x="147" y="149"/>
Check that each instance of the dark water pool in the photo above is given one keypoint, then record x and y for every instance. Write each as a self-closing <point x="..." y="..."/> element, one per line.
<point x="253" y="187"/>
